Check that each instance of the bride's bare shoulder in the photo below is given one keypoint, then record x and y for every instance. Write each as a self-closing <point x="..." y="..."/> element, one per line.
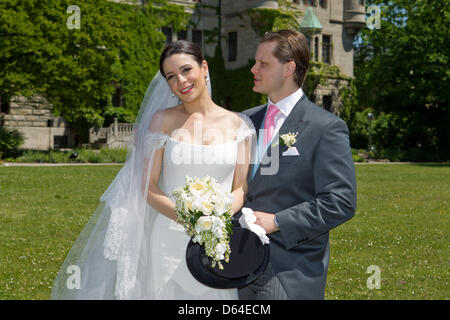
<point x="233" y="118"/>
<point x="163" y="120"/>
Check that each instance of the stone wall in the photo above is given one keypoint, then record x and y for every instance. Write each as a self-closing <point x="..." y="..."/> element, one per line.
<point x="30" y="116"/>
<point x="332" y="18"/>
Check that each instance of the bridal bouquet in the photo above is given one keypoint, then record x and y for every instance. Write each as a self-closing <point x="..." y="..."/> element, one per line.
<point x="204" y="210"/>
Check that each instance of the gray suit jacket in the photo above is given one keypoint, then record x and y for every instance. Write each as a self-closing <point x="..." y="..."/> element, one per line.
<point x="310" y="194"/>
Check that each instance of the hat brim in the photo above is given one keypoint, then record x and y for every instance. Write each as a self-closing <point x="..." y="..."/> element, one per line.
<point x="248" y="260"/>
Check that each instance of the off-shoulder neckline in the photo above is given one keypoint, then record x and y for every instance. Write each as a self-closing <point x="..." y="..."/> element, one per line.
<point x="204" y="145"/>
<point x="242" y="116"/>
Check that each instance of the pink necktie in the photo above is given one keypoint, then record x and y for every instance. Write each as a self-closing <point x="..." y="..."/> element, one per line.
<point x="269" y="123"/>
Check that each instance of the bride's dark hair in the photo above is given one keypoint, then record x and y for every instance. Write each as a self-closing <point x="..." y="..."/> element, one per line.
<point x="180" y="46"/>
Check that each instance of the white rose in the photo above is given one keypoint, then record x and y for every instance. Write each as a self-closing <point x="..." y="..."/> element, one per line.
<point x="204" y="223"/>
<point x="196" y="202"/>
<point x="220" y="207"/>
<point x="187" y="206"/>
<point x="223" y="202"/>
<point x="206" y="207"/>
<point x="196" y="187"/>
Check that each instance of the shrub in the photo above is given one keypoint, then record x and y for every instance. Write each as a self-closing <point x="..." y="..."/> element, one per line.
<point x="104" y="155"/>
<point x="10" y="141"/>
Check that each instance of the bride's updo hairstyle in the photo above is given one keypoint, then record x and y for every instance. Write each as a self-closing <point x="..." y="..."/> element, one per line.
<point x="178" y="47"/>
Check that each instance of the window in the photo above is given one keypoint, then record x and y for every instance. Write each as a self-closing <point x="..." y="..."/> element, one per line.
<point x="168" y="33"/>
<point x="182" y="35"/>
<point x="4" y="105"/>
<point x="327" y="103"/>
<point x="117" y="97"/>
<point x="60" y="141"/>
<point x="308" y="40"/>
<point x="361" y="2"/>
<point x="323" y="3"/>
<point x="197" y="37"/>
<point x="316" y="48"/>
<point x="232" y="46"/>
<point x="326" y="49"/>
<point x="309" y="2"/>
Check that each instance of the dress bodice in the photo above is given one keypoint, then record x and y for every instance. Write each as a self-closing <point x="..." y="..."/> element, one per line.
<point x="169" y="240"/>
<point x="194" y="160"/>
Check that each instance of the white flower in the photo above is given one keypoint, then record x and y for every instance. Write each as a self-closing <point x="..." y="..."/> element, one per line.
<point x="204" y="223"/>
<point x="186" y="202"/>
<point x="197" y="187"/>
<point x="217" y="227"/>
<point x="221" y="205"/>
<point x="289" y="139"/>
<point x="201" y="207"/>
<point x="221" y="248"/>
<point x="198" y="238"/>
<point x="206" y="207"/>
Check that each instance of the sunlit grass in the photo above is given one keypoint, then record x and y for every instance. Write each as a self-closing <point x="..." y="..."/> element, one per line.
<point x="401" y="225"/>
<point x="42" y="210"/>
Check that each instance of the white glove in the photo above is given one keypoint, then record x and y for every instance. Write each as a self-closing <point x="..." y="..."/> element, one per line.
<point x="247" y="221"/>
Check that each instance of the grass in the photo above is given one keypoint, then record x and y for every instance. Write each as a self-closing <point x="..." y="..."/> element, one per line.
<point x="42" y="210"/>
<point x="401" y="226"/>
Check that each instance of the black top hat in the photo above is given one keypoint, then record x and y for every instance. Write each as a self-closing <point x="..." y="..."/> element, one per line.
<point x="248" y="260"/>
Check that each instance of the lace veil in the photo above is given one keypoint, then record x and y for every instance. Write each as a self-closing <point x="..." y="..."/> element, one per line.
<point x="110" y="257"/>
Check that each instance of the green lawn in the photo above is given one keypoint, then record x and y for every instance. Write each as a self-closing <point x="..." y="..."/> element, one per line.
<point x="401" y="226"/>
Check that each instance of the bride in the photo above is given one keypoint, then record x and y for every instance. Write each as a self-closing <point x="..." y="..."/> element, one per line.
<point x="132" y="247"/>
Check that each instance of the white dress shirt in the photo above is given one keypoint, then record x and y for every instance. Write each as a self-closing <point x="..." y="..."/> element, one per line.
<point x="285" y="106"/>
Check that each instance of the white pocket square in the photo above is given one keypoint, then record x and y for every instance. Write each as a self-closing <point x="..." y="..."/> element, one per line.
<point x="292" y="151"/>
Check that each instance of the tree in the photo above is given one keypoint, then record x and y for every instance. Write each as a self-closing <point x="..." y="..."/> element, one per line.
<point x="79" y="67"/>
<point x="41" y="53"/>
<point x="139" y="57"/>
<point x="403" y="69"/>
<point x="287" y="16"/>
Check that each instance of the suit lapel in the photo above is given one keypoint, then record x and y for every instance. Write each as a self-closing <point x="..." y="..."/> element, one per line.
<point x="257" y="119"/>
<point x="293" y="123"/>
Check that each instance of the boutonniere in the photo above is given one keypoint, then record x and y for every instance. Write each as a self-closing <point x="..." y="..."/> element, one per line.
<point x="288" y="139"/>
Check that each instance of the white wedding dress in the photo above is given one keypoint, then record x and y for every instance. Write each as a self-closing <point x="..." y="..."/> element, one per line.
<point x="128" y="250"/>
<point x="170" y="277"/>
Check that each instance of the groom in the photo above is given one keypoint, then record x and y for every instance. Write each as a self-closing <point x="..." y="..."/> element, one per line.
<point x="308" y="187"/>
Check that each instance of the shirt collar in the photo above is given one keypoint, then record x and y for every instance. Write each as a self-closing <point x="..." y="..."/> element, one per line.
<point x="287" y="104"/>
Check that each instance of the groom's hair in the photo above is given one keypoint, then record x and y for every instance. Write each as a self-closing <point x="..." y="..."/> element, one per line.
<point x="181" y="46"/>
<point x="292" y="46"/>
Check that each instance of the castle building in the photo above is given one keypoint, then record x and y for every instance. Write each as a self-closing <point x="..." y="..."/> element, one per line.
<point x="330" y="27"/>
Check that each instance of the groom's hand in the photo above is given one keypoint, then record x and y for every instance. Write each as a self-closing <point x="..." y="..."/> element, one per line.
<point x="266" y="220"/>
